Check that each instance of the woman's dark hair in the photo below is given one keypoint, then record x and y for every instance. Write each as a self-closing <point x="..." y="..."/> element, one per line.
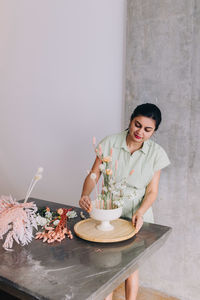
<point x="148" y="110"/>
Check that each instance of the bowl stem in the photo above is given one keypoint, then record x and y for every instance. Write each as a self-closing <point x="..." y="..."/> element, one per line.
<point x="105" y="226"/>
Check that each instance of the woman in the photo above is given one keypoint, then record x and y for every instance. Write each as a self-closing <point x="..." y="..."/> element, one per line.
<point x="134" y="149"/>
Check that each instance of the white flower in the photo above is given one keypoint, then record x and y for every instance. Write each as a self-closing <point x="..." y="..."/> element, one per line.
<point x="118" y="186"/>
<point x="56" y="222"/>
<point x="116" y="193"/>
<point x="102" y="167"/>
<point x="118" y="203"/>
<point x="99" y="196"/>
<point x="93" y="176"/>
<point x="41" y="221"/>
<point x="112" y="181"/>
<point x="112" y="188"/>
<point x="105" y="189"/>
<point x="123" y="186"/>
<point x="121" y="193"/>
<point x="48" y="215"/>
<point x="40" y="170"/>
<point x="71" y="214"/>
<point x="38" y="177"/>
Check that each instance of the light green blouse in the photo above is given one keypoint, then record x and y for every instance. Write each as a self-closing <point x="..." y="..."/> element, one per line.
<point x="145" y="162"/>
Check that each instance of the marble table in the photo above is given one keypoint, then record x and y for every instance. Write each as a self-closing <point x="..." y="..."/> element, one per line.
<point x="75" y="269"/>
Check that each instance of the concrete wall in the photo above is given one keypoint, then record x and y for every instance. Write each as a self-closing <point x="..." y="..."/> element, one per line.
<point x="60" y="78"/>
<point x="163" y="67"/>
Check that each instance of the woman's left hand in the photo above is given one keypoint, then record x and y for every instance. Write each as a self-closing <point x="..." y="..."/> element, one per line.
<point x="137" y="221"/>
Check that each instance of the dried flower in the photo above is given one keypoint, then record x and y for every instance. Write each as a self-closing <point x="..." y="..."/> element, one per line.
<point x="48" y="215"/>
<point x="17" y="220"/>
<point x="82" y="215"/>
<point x="36" y="178"/>
<point x="105" y="189"/>
<point x="101" y="167"/>
<point x="60" y="211"/>
<point x="58" y="229"/>
<point x="107" y="159"/>
<point x="40" y="170"/>
<point x="112" y="192"/>
<point x="41" y="221"/>
<point x="93" y="176"/>
<point x="71" y="214"/>
<point x="94" y="141"/>
<point x="118" y="203"/>
<point x="108" y="172"/>
<point x="56" y="222"/>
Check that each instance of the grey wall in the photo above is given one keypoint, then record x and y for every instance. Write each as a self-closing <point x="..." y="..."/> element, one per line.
<point x="163" y="67"/>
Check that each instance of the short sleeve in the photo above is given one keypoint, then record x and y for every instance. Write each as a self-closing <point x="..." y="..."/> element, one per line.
<point x="104" y="147"/>
<point x="161" y="160"/>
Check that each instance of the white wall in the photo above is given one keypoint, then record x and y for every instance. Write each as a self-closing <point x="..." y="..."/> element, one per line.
<point x="61" y="65"/>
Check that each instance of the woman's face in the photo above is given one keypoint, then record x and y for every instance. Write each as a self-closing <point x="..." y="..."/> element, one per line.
<point x="141" y="128"/>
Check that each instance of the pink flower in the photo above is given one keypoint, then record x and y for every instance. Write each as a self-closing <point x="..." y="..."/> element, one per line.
<point x="108" y="172"/>
<point x="107" y="159"/>
<point x="17" y="221"/>
<point x="60" y="211"/>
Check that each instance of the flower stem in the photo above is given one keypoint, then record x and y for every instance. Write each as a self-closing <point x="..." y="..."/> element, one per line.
<point x="35" y="179"/>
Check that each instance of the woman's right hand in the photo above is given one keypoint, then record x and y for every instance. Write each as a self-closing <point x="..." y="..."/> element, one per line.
<point x="85" y="203"/>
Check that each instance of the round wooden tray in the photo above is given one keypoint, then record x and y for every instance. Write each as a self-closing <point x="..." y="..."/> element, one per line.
<point x="87" y="230"/>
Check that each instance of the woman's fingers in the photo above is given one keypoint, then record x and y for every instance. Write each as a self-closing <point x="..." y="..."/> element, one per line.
<point x="85" y="203"/>
<point x="137" y="222"/>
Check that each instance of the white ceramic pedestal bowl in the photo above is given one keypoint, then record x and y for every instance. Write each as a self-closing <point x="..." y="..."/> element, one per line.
<point x="105" y="216"/>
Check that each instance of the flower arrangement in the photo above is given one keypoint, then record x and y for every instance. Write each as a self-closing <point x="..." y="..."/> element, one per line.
<point x="112" y="191"/>
<point x="54" y="224"/>
<point x="17" y="220"/>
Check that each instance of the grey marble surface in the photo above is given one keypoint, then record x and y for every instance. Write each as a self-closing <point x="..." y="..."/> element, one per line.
<point x="75" y="269"/>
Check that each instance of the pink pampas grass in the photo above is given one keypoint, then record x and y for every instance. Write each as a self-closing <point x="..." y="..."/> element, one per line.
<point x="17" y="220"/>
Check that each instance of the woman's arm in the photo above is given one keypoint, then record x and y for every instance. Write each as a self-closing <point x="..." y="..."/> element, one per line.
<point x="149" y="198"/>
<point x="88" y="186"/>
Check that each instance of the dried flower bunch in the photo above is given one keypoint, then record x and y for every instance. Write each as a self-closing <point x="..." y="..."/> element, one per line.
<point x="112" y="191"/>
<point x="54" y="224"/>
<point x="17" y="220"/>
